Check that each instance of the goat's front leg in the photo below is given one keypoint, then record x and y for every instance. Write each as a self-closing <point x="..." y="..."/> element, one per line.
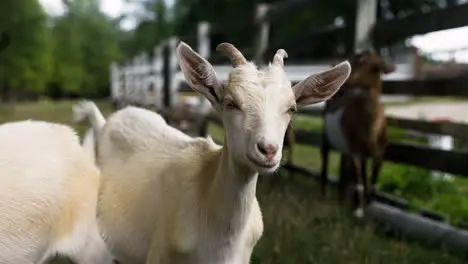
<point x="359" y="211"/>
<point x="377" y="161"/>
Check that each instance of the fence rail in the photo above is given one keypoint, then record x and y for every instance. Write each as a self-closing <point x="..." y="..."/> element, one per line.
<point x="457" y="130"/>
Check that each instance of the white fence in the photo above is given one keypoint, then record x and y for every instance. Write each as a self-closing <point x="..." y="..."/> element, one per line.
<point x="148" y="81"/>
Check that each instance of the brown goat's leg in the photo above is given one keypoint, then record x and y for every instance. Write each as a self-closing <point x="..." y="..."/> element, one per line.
<point x="359" y="187"/>
<point x="324" y="151"/>
<point x="376" y="166"/>
<point x="363" y="176"/>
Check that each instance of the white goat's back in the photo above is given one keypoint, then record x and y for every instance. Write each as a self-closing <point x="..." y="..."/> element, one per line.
<point x="135" y="129"/>
<point x="145" y="164"/>
<point x="48" y="196"/>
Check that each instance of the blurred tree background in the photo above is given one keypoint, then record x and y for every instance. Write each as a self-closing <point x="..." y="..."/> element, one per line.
<point x="69" y="55"/>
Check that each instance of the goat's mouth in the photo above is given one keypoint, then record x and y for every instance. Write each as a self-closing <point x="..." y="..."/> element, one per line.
<point x="266" y="165"/>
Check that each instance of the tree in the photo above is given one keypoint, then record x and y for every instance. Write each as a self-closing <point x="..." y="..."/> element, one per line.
<point x="85" y="43"/>
<point x="155" y="25"/>
<point x="25" y="63"/>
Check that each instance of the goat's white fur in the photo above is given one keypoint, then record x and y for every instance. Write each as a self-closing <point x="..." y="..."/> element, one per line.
<point x="48" y="196"/>
<point x="170" y="198"/>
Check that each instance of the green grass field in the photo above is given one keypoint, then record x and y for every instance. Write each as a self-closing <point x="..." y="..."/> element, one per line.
<point x="300" y="226"/>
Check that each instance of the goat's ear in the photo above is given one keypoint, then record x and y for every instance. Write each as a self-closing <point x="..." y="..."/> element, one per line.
<point x="322" y="85"/>
<point x="199" y="73"/>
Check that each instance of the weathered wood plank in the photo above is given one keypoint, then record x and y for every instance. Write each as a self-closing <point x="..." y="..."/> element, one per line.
<point x="438" y="87"/>
<point x="429" y="158"/>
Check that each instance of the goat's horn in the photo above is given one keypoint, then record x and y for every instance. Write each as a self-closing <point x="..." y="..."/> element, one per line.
<point x="278" y="59"/>
<point x="232" y="53"/>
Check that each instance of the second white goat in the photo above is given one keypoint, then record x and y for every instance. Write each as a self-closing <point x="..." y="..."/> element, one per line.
<point x="48" y="196"/>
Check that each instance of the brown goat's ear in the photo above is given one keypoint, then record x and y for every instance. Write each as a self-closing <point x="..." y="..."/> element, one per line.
<point x="199" y="73"/>
<point x="322" y="85"/>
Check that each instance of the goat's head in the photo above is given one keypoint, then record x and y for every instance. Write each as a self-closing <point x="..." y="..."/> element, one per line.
<point x="368" y="67"/>
<point x="256" y="105"/>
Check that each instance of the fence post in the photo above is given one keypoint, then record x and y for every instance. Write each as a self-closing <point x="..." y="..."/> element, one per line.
<point x="114" y="81"/>
<point x="167" y="75"/>
<point x="145" y="70"/>
<point x="203" y="39"/>
<point x="173" y="41"/>
<point x="128" y="82"/>
<point x="263" y="28"/>
<point x="169" y="70"/>
<point x="366" y="17"/>
<point x="133" y="95"/>
<point x="158" y="79"/>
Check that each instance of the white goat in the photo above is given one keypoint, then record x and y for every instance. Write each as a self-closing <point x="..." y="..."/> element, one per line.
<point x="48" y="196"/>
<point x="170" y="198"/>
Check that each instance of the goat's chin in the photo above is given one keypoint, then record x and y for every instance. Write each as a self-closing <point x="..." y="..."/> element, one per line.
<point x="267" y="171"/>
<point x="260" y="168"/>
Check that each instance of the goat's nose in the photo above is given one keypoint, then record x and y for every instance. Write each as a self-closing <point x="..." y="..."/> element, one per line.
<point x="268" y="150"/>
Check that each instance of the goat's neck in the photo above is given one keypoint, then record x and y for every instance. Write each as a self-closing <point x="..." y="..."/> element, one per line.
<point x="232" y="193"/>
<point x="375" y="97"/>
<point x="373" y="101"/>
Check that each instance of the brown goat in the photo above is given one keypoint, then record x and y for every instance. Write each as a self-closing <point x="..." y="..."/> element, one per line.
<point x="355" y="123"/>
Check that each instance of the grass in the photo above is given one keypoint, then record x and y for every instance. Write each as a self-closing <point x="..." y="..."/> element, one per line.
<point x="300" y="227"/>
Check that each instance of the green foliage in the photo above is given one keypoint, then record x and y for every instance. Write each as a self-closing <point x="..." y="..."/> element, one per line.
<point x="25" y="64"/>
<point x="85" y="43"/>
<point x="72" y="52"/>
<point x="418" y="186"/>
<point x="155" y="26"/>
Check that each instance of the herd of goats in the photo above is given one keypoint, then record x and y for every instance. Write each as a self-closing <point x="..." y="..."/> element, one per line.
<point x="139" y="190"/>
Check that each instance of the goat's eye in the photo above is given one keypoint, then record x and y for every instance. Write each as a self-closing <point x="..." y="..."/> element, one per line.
<point x="292" y="109"/>
<point x="231" y="105"/>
